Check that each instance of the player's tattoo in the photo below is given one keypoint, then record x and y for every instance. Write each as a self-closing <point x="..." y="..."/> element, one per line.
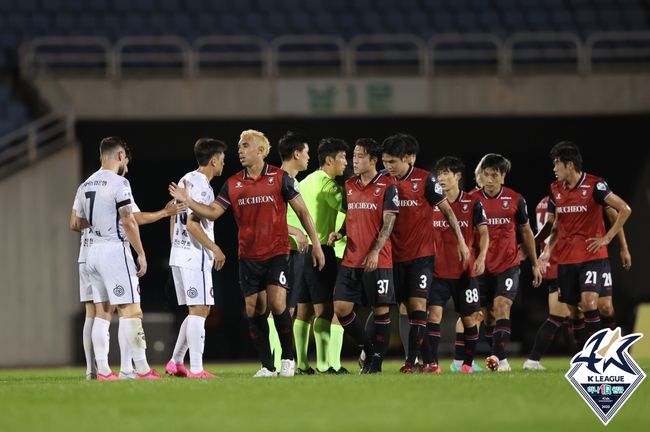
<point x="386" y="230"/>
<point x="125" y="211"/>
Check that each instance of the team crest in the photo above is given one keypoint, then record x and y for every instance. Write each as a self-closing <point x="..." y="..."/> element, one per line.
<point x="118" y="291"/>
<point x="558" y="196"/>
<point x="192" y="292"/>
<point x="415" y="186"/>
<point x="505" y="204"/>
<point x="584" y="193"/>
<point x="238" y="185"/>
<point x="604" y="373"/>
<point x="465" y="208"/>
<point x="377" y="191"/>
<point x="349" y="192"/>
<point x="271" y="180"/>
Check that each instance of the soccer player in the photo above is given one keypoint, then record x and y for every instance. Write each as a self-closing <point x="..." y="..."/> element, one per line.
<point x="413" y="248"/>
<point x="323" y="198"/>
<point x="578" y="240"/>
<point x="453" y="278"/>
<point x="193" y="254"/>
<point x="258" y="196"/>
<point x="506" y="213"/>
<point x="366" y="272"/>
<point x="103" y="201"/>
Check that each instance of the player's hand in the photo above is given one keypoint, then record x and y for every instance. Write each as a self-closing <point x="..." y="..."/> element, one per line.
<point x="318" y="257"/>
<point x="595" y="243"/>
<point x="335" y="236"/>
<point x="180" y="194"/>
<point x="301" y="240"/>
<point x="626" y="259"/>
<point x="479" y="266"/>
<point x="463" y="252"/>
<point x="370" y="262"/>
<point x="219" y="258"/>
<point x="142" y="265"/>
<point x="537" y="275"/>
<point x="544" y="260"/>
<point x="173" y="208"/>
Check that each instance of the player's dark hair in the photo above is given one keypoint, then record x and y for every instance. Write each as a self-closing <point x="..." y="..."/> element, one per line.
<point x="567" y="151"/>
<point x="111" y="144"/>
<point x="330" y="147"/>
<point x="497" y="163"/>
<point x="400" y="145"/>
<point x="206" y="148"/>
<point x="449" y="163"/>
<point x="289" y="143"/>
<point x="373" y="148"/>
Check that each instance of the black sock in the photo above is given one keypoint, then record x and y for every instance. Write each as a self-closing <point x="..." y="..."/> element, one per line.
<point x="418" y="327"/>
<point x="489" y="335"/>
<point x="370" y="326"/>
<point x="501" y="338"/>
<point x="608" y="321"/>
<point x="579" y="332"/>
<point x="592" y="322"/>
<point x="381" y="339"/>
<point x="284" y="326"/>
<point x="566" y="330"/>
<point x="471" y="337"/>
<point x="545" y="336"/>
<point x="425" y="350"/>
<point x="258" y="328"/>
<point x="433" y="334"/>
<point x="404" y="330"/>
<point x="352" y="326"/>
<point x="459" y="347"/>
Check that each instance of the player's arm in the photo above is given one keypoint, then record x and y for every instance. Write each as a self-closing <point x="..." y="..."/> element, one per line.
<point x="77" y="223"/>
<point x="171" y="209"/>
<point x="624" y="212"/>
<point x="171" y="229"/>
<point x="626" y="257"/>
<point x="195" y="230"/>
<point x="545" y="231"/>
<point x="301" y="239"/>
<point x="338" y="235"/>
<point x="483" y="244"/>
<point x="211" y="212"/>
<point x="528" y="241"/>
<point x="132" y="232"/>
<point x="298" y="206"/>
<point x="463" y="250"/>
<point x="372" y="259"/>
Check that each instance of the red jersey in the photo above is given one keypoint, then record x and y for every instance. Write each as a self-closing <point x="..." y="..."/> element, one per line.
<point x="505" y="212"/>
<point x="541" y="211"/>
<point x="418" y="191"/>
<point x="469" y="212"/>
<point x="364" y="216"/>
<point x="260" y="210"/>
<point x="578" y="217"/>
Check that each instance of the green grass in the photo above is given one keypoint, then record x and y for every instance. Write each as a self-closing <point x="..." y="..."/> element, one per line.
<point x="61" y="400"/>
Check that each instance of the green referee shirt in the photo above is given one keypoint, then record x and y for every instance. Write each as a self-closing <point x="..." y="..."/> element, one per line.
<point x="324" y="199"/>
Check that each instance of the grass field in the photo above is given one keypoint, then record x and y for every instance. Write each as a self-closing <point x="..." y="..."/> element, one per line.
<point x="61" y="400"/>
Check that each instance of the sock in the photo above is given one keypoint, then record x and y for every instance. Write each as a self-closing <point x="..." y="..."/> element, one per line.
<point x="381" y="339"/>
<point x="322" y="339"/>
<point x="425" y="349"/>
<point x="404" y="330"/>
<point x="87" y="338"/>
<point x="592" y="322"/>
<point x="545" y="336"/>
<point x="370" y="325"/>
<point x="352" y="326"/>
<point x="566" y="330"/>
<point x="178" y="356"/>
<point x="274" y="342"/>
<point x="459" y="346"/>
<point x="501" y="338"/>
<point x="336" y="345"/>
<point x="137" y="344"/>
<point x="433" y="335"/>
<point x="471" y="337"/>
<point x="489" y="335"/>
<point x="417" y="331"/>
<point x="284" y="326"/>
<point x="101" y="339"/>
<point x="609" y="321"/>
<point x="301" y="335"/>
<point x="196" y="341"/>
<point x="258" y="329"/>
<point x="579" y="332"/>
<point x="126" y="362"/>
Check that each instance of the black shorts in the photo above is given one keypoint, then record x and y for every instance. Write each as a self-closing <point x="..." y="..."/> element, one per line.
<point x="606" y="279"/>
<point x="368" y="289"/>
<point x="317" y="286"/>
<point x="551" y="284"/>
<point x="413" y="278"/>
<point x="464" y="291"/>
<point x="574" y="279"/>
<point x="294" y="279"/>
<point x="255" y="276"/>
<point x="504" y="284"/>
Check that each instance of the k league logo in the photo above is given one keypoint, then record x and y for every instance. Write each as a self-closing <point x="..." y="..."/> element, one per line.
<point x="604" y="373"/>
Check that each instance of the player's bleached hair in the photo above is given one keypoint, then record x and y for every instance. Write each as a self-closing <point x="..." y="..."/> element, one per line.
<point x="260" y="138"/>
<point x="478" y="172"/>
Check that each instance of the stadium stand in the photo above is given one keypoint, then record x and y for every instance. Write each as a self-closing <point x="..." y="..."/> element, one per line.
<point x="13" y="113"/>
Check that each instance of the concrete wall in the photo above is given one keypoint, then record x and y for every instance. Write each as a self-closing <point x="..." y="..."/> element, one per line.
<point x="38" y="254"/>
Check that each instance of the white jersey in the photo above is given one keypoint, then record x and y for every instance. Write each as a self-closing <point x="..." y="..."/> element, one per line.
<point x="100" y="198"/>
<point x="186" y="251"/>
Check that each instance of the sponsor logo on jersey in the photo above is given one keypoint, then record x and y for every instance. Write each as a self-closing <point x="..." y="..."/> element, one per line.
<point x="604" y="373"/>
<point x="362" y="206"/>
<point x="601" y="186"/>
<point x="445" y="224"/>
<point x="498" y="221"/>
<point x="408" y="203"/>
<point x="260" y="199"/>
<point x="571" y="209"/>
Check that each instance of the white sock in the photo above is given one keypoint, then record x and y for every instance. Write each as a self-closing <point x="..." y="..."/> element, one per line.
<point x="88" y="345"/>
<point x="196" y="341"/>
<point x="181" y="343"/>
<point x="126" y="362"/>
<point x="101" y="340"/>
<point x="137" y="343"/>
